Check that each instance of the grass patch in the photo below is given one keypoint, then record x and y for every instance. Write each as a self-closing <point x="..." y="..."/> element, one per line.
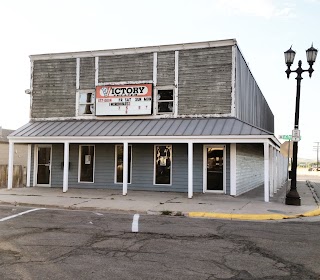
<point x="166" y="212"/>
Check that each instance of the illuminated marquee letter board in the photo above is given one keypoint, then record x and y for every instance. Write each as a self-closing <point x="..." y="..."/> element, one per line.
<point x="122" y="100"/>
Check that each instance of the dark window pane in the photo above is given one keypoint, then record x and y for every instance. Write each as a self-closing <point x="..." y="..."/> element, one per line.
<point x="120" y="164"/>
<point x="43" y="172"/>
<point x="86" y="163"/>
<point x="165" y="107"/>
<point x="163" y="165"/>
<point x="43" y="176"/>
<point x="44" y="155"/>
<point x="165" y="94"/>
<point x="214" y="169"/>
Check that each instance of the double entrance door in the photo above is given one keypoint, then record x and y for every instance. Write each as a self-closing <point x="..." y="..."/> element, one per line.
<point x="214" y="170"/>
<point x="43" y="165"/>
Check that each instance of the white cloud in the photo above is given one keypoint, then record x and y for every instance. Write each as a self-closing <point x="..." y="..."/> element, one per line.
<point x="259" y="8"/>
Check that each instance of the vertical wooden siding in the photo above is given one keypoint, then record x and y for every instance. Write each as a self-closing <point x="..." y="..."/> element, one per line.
<point x="54" y="87"/>
<point x="205" y="81"/>
<point x="121" y="68"/>
<point x="250" y="167"/>
<point x="251" y="105"/>
<point x="165" y="69"/>
<point x="87" y="73"/>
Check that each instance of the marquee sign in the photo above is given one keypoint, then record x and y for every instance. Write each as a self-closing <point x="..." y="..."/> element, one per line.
<point x="124" y="100"/>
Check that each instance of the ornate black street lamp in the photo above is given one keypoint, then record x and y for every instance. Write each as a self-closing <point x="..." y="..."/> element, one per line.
<point x="293" y="197"/>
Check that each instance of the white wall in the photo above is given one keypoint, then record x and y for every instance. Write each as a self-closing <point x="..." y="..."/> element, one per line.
<point x="250" y="167"/>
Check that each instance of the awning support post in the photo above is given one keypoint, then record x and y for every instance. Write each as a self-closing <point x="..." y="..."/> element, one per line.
<point x="266" y="171"/>
<point x="29" y="166"/>
<point x="190" y="169"/>
<point x="125" y="169"/>
<point x="10" y="164"/>
<point x="66" y="167"/>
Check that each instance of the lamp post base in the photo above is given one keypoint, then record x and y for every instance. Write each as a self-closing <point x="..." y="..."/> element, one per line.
<point x="293" y="198"/>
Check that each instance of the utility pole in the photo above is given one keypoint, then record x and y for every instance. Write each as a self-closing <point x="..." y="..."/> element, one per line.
<point x="316" y="148"/>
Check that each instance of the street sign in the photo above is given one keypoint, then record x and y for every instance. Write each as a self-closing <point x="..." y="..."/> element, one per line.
<point x="289" y="137"/>
<point x="295" y="138"/>
<point x="296" y="132"/>
<point x="285" y="137"/>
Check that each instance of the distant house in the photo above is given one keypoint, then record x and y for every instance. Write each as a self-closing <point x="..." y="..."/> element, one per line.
<point x="20" y="150"/>
<point x="183" y="118"/>
<point x="20" y="160"/>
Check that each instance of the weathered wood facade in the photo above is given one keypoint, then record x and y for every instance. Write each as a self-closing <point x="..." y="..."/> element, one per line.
<point x="192" y="85"/>
<point x="212" y="81"/>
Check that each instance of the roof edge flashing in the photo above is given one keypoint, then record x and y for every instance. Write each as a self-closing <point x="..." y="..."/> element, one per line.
<point x="123" y="51"/>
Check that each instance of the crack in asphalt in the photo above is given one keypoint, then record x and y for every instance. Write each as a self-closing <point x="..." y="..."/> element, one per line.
<point x="143" y="247"/>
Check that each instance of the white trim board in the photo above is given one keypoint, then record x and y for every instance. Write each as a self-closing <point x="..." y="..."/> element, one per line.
<point x="147" y="139"/>
<point x="111" y="52"/>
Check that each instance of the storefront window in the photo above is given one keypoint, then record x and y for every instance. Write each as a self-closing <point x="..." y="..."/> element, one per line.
<point x="119" y="163"/>
<point x="163" y="159"/>
<point x="86" y="159"/>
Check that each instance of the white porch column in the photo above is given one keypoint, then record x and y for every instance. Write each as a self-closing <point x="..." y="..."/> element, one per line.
<point x="29" y="166"/>
<point x="233" y="169"/>
<point x="271" y="174"/>
<point x="266" y="172"/>
<point x="125" y="168"/>
<point x="10" y="164"/>
<point x="275" y="171"/>
<point x="190" y="169"/>
<point x="66" y="167"/>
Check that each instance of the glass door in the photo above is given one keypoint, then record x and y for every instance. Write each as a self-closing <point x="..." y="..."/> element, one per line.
<point x="214" y="169"/>
<point x="44" y="165"/>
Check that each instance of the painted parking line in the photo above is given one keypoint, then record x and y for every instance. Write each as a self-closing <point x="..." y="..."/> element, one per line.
<point x="135" y="223"/>
<point x="20" y="214"/>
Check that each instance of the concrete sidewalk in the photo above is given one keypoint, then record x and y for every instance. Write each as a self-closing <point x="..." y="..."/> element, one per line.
<point x="249" y="206"/>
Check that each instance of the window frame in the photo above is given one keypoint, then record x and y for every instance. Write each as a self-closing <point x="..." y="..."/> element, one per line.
<point x="162" y="101"/>
<point x="155" y="164"/>
<point x="115" y="164"/>
<point x="78" y="104"/>
<point x="94" y="164"/>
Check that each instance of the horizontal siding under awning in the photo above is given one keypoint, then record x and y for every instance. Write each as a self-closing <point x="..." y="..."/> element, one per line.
<point x="140" y="128"/>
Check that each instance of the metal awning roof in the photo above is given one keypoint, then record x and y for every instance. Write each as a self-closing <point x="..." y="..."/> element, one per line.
<point x="139" y="128"/>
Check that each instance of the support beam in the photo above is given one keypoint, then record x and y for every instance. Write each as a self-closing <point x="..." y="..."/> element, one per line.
<point x="271" y="163"/>
<point x="125" y="169"/>
<point x="233" y="169"/>
<point x="266" y="171"/>
<point x="66" y="167"/>
<point x="176" y="82"/>
<point x="190" y="169"/>
<point x="275" y="171"/>
<point x="29" y="166"/>
<point x="10" y="164"/>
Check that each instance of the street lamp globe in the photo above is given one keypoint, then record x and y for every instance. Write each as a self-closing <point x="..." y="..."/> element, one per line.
<point x="289" y="56"/>
<point x="311" y="55"/>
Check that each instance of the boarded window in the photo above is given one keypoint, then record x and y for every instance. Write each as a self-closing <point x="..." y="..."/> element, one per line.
<point x="165" y="99"/>
<point x="86" y="103"/>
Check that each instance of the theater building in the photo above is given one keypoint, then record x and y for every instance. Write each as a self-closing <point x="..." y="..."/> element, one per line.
<point x="182" y="118"/>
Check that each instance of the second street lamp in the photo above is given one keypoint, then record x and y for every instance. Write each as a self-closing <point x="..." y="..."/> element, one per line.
<point x="292" y="197"/>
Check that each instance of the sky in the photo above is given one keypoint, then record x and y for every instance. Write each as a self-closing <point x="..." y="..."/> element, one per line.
<point x="264" y="29"/>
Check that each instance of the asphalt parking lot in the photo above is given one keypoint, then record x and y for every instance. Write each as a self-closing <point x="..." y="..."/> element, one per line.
<point x="72" y="244"/>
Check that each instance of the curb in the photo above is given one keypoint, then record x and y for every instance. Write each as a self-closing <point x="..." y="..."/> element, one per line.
<point x="257" y="217"/>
